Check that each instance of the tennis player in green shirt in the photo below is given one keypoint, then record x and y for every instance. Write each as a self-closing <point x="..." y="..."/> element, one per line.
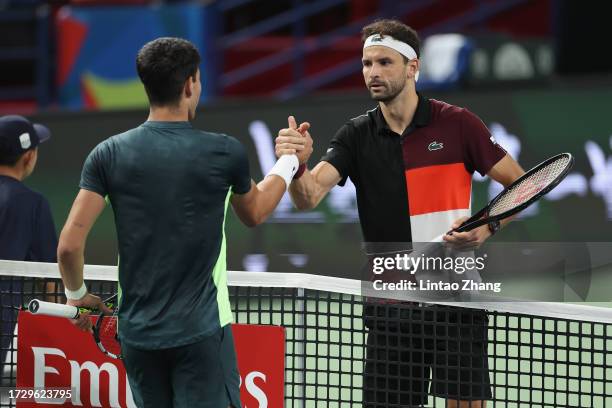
<point x="170" y="186"/>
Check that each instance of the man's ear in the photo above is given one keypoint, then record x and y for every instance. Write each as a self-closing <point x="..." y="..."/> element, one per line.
<point x="187" y="86"/>
<point x="28" y="156"/>
<point x="414" y="66"/>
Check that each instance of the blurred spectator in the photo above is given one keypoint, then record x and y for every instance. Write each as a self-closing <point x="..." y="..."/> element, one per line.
<point x="27" y="232"/>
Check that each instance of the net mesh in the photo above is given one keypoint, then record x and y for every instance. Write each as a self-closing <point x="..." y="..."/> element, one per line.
<point x="343" y="350"/>
<point x="530" y="186"/>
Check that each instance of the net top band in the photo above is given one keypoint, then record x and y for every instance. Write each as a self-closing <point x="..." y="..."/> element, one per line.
<point x="16" y="269"/>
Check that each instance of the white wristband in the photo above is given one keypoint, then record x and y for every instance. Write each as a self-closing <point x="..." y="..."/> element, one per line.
<point x="285" y="167"/>
<point x="76" y="294"/>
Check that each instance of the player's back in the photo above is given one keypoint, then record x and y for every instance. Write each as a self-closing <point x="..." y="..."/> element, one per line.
<point x="169" y="187"/>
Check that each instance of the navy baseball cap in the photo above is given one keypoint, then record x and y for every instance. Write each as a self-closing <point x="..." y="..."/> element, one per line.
<point x="17" y="134"/>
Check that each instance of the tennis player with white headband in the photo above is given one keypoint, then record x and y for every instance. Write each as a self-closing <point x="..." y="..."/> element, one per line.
<point x="411" y="159"/>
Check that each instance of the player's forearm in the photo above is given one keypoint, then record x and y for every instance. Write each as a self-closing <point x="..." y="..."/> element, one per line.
<point x="255" y="207"/>
<point x="270" y="191"/>
<point x="506" y="172"/>
<point x="71" y="248"/>
<point x="71" y="260"/>
<point x="304" y="192"/>
<point x="507" y="221"/>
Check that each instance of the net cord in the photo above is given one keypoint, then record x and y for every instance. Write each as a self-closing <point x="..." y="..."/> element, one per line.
<point x="323" y="283"/>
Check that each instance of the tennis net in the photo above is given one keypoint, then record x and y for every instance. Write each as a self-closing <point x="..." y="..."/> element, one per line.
<point x="345" y="350"/>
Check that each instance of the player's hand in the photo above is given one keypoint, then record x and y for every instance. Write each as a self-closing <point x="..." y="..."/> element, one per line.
<point x="468" y="240"/>
<point x="91" y="302"/>
<point x="294" y="140"/>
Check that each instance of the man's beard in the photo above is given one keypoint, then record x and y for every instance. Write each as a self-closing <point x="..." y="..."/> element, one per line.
<point x="394" y="89"/>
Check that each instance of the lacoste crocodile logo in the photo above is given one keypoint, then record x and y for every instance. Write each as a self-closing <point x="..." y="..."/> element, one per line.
<point x="435" y="146"/>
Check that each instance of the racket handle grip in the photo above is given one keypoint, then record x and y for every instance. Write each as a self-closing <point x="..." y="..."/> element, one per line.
<point x="39" y="307"/>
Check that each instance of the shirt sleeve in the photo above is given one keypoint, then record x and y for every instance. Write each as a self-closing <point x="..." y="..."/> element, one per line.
<point x="240" y="175"/>
<point x="339" y="154"/>
<point x="480" y="148"/>
<point x="95" y="170"/>
<point x="44" y="244"/>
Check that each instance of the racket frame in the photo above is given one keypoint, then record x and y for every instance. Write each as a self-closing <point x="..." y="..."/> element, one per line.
<point x="73" y="312"/>
<point x="96" y="335"/>
<point x="478" y="220"/>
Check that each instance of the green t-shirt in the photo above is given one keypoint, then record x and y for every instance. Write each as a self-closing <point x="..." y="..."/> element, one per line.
<point x="169" y="186"/>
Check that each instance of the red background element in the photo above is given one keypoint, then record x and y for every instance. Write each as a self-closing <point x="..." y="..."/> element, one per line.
<point x="259" y="348"/>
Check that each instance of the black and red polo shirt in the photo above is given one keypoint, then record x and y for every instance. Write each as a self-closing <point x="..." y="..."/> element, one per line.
<point x="411" y="187"/>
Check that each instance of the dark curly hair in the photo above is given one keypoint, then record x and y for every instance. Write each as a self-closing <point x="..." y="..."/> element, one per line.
<point x="164" y="65"/>
<point x="395" y="29"/>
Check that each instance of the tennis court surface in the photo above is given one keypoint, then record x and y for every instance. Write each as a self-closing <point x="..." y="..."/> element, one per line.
<point x="539" y="354"/>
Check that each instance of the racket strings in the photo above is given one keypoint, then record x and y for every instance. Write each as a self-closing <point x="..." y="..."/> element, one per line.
<point x="530" y="186"/>
<point x="107" y="334"/>
<point x="109" y="327"/>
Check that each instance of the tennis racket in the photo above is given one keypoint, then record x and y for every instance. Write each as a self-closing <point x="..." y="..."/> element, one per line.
<point x="525" y="191"/>
<point x="104" y="331"/>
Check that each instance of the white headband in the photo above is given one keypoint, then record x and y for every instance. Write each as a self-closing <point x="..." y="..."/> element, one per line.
<point x="390" y="42"/>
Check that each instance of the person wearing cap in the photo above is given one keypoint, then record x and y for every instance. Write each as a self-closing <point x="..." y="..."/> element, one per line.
<point x="170" y="186"/>
<point x="411" y="159"/>
<point x="27" y="231"/>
